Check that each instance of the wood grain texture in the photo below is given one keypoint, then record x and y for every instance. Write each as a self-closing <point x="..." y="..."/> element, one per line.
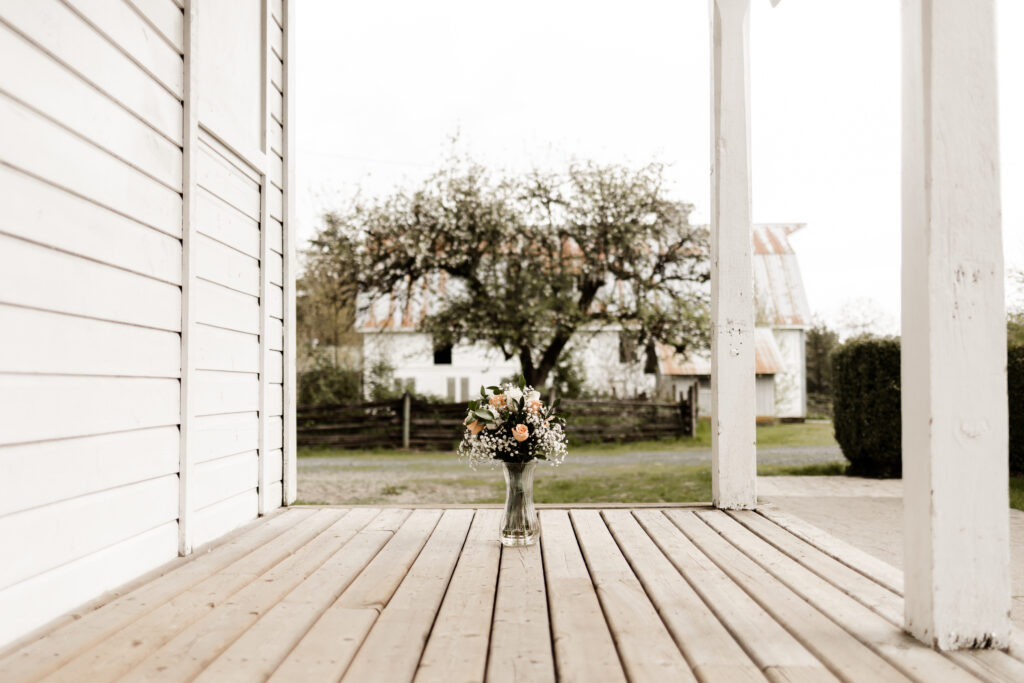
<point x="262" y="648"/>
<point x="456" y="651"/>
<point x="125" y="648"/>
<point x="709" y="648"/>
<point x="584" y="649"/>
<point x="90" y="627"/>
<point x="834" y="646"/>
<point x="520" y="648"/>
<point x="327" y="649"/>
<point x="393" y="647"/>
<point x="767" y="643"/>
<point x="646" y="648"/>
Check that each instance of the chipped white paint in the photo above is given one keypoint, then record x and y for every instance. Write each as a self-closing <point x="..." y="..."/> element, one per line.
<point x="954" y="346"/>
<point x="733" y="407"/>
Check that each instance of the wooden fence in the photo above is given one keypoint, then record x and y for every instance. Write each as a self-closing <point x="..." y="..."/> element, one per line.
<point x="410" y="423"/>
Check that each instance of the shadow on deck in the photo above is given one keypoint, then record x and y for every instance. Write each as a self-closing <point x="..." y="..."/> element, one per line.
<point x="612" y="593"/>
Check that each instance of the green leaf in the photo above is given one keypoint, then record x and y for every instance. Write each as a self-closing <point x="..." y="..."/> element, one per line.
<point x="484" y="415"/>
<point x="522" y="381"/>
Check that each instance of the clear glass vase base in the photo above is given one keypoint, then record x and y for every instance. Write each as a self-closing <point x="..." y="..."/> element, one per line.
<point x="519" y="538"/>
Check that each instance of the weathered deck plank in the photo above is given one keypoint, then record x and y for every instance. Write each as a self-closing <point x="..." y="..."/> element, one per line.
<point x="646" y="648"/>
<point x="87" y="628"/>
<point x="328" y="647"/>
<point x="771" y="646"/>
<point x="456" y="651"/>
<point x="709" y="648"/>
<point x="584" y="649"/>
<point x="611" y="593"/>
<point x="261" y="649"/>
<point x="520" y="648"/>
<point x="394" y="645"/>
<point x="919" y="663"/>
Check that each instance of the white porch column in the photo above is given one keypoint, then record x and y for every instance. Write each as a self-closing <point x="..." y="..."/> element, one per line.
<point x="956" y="520"/>
<point x="733" y="408"/>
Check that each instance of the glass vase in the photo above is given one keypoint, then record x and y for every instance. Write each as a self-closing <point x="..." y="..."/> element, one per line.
<point x="519" y="523"/>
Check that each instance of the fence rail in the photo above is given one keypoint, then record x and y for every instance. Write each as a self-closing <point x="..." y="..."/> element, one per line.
<point x="409" y="423"/>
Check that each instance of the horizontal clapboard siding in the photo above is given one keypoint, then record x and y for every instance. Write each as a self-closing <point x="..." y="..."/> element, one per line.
<point x="58" y="30"/>
<point x="226" y="340"/>
<point x="91" y="172"/>
<point x="50" y="594"/>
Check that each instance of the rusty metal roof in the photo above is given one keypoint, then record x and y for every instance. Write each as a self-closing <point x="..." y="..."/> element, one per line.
<point x="779" y="295"/>
<point x="767" y="357"/>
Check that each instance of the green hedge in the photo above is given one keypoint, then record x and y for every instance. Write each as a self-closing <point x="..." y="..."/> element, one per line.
<point x="866" y="405"/>
<point x="1015" y="386"/>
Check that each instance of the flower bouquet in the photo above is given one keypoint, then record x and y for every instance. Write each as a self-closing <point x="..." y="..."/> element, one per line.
<point x="510" y="424"/>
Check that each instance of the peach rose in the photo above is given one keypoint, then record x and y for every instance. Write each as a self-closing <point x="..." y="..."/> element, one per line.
<point x="476" y="426"/>
<point x="521" y="433"/>
<point x="533" y="406"/>
<point x="497" y="400"/>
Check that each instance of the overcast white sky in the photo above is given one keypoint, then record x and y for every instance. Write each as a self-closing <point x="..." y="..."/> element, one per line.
<point x="383" y="85"/>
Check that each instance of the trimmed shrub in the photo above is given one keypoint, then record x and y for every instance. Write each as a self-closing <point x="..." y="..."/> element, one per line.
<point x="1015" y="389"/>
<point x="866" y="405"/>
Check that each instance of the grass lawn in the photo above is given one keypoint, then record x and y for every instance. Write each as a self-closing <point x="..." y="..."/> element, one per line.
<point x="768" y="436"/>
<point x="1017" y="492"/>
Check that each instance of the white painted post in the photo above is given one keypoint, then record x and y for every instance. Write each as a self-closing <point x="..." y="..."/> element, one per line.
<point x="190" y="136"/>
<point x="290" y="466"/>
<point x="733" y="407"/>
<point x="955" y="451"/>
<point x="264" y="504"/>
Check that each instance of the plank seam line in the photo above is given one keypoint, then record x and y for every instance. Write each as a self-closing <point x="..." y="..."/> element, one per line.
<point x="212" y="143"/>
<point x="94" y="85"/>
<point x="118" y="592"/>
<point x="339" y="593"/>
<point x="82" y="316"/>
<point x="170" y="520"/>
<point x="805" y="642"/>
<point x="82" y="436"/>
<point x="237" y="494"/>
<point x="255" y="224"/>
<point x="156" y="28"/>
<point x="241" y="211"/>
<point x="92" y="492"/>
<point x="494" y="606"/>
<point x="89" y="199"/>
<point x="131" y="57"/>
<point x="703" y="596"/>
<point x="278" y="601"/>
<point x="597" y="591"/>
<point x="447" y="585"/>
<point x="214" y="238"/>
<point x="227" y="329"/>
<point x="274" y="50"/>
<point x="323" y="527"/>
<point x="805" y="539"/>
<point x="96" y="375"/>
<point x="92" y="259"/>
<point x="233" y="289"/>
<point x="223" y="456"/>
<point x="820" y="575"/>
<point x="92" y="143"/>
<point x="379" y="609"/>
<point x="952" y="656"/>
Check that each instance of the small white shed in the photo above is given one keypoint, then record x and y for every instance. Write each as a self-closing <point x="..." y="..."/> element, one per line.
<point x="146" y="298"/>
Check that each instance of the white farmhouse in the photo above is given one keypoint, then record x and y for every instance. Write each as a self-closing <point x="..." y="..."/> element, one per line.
<point x="611" y="364"/>
<point x="782" y="317"/>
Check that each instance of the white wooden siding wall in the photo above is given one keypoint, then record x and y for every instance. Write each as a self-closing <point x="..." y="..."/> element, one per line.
<point x="90" y="299"/>
<point x="112" y="456"/>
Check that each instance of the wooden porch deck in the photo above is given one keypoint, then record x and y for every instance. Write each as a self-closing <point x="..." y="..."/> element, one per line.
<point x="611" y="594"/>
